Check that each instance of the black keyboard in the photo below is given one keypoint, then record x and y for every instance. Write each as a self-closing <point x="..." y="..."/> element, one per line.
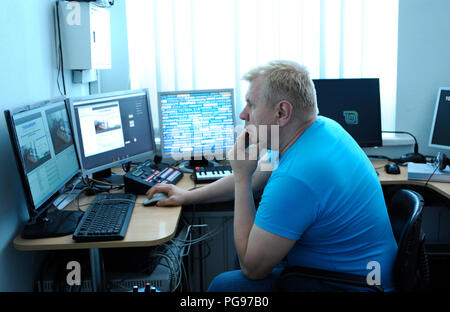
<point x="210" y="174"/>
<point x="106" y="219"/>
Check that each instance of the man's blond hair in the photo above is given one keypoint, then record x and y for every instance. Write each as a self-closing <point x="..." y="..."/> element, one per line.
<point x="290" y="81"/>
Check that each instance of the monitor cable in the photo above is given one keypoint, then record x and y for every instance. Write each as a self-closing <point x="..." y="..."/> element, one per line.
<point x="429" y="178"/>
<point x="126" y="166"/>
<point x="415" y="157"/>
<point x="59" y="51"/>
<point x="440" y="162"/>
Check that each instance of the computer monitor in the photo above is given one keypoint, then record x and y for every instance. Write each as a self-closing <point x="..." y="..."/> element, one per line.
<point x="42" y="141"/>
<point x="353" y="103"/>
<point x="112" y="129"/>
<point x="196" y="125"/>
<point x="440" y="128"/>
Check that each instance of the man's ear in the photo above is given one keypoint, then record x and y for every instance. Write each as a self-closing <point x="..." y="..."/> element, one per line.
<point x="284" y="111"/>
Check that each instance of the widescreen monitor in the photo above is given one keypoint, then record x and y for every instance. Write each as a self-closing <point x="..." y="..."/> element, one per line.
<point x="354" y="104"/>
<point x="43" y="145"/>
<point x="440" y="128"/>
<point x="196" y="124"/>
<point x="111" y="129"/>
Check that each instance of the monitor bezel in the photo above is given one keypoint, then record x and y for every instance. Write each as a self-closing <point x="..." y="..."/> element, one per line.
<point x="34" y="211"/>
<point x="374" y="143"/>
<point x="100" y="97"/>
<point x="169" y="157"/>
<point x="433" y="123"/>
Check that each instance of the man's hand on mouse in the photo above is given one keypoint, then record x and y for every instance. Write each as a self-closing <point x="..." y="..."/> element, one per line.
<point x="176" y="195"/>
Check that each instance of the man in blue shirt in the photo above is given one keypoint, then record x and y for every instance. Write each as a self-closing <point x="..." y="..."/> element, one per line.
<point x="322" y="207"/>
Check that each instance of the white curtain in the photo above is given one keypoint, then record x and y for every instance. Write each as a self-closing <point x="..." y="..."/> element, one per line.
<point x="210" y="44"/>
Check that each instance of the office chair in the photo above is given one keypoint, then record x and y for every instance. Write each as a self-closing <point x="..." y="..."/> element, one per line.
<point x="411" y="270"/>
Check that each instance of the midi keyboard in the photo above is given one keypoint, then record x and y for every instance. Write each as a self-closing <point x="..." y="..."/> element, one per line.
<point x="210" y="174"/>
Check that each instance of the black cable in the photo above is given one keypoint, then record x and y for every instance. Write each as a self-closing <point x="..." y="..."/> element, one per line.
<point x="126" y="166"/>
<point x="380" y="157"/>
<point x="60" y="49"/>
<point x="58" y="73"/>
<point x="55" y="37"/>
<point x="415" y="157"/>
<point x="416" y="145"/>
<point x="431" y="175"/>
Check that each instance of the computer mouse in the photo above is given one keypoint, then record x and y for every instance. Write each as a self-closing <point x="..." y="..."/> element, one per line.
<point x="392" y="169"/>
<point x="156" y="197"/>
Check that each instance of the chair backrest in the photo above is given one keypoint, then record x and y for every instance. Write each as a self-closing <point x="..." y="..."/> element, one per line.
<point x="405" y="213"/>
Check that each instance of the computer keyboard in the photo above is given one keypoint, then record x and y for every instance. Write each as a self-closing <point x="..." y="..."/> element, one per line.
<point x="210" y="174"/>
<point x="107" y="218"/>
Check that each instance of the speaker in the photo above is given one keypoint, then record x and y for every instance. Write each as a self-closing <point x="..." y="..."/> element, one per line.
<point x="442" y="160"/>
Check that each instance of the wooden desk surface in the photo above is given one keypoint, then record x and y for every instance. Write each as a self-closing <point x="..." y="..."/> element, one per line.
<point x="402" y="178"/>
<point x="151" y="226"/>
<point x="148" y="226"/>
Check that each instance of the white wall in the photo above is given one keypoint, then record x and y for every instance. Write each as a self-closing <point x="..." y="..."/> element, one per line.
<point x="117" y="78"/>
<point x="27" y="75"/>
<point x="423" y="65"/>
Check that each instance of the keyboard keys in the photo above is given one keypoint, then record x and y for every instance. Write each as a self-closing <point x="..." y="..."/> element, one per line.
<point x="107" y="218"/>
<point x="210" y="174"/>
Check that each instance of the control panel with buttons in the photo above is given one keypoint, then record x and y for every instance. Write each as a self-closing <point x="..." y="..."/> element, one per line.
<point x="141" y="178"/>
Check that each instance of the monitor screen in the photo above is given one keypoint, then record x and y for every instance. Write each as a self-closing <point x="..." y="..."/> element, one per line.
<point x="440" y="128"/>
<point x="113" y="128"/>
<point x="198" y="122"/>
<point x="354" y="104"/>
<point x="41" y="137"/>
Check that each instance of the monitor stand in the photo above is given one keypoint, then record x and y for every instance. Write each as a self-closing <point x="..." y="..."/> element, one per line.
<point x="52" y="223"/>
<point x="188" y="166"/>
<point x="108" y="177"/>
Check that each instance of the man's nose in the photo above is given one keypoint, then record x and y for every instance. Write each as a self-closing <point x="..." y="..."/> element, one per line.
<point x="244" y="114"/>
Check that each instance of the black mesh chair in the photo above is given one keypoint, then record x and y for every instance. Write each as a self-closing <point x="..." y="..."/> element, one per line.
<point x="411" y="266"/>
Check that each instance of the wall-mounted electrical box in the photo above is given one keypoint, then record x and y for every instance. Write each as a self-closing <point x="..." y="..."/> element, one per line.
<point x="85" y="35"/>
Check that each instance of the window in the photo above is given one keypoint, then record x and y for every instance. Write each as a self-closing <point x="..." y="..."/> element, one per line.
<point x="210" y="44"/>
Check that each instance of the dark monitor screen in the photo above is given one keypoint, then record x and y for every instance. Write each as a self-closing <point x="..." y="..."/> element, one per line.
<point x="354" y="104"/>
<point x="112" y="129"/>
<point x="440" y="129"/>
<point x="42" y="140"/>
<point x="196" y="122"/>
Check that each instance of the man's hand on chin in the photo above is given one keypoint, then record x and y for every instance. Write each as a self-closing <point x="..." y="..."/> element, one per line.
<point x="244" y="155"/>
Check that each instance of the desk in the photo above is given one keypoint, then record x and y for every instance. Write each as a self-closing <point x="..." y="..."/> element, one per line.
<point x="149" y="226"/>
<point x="442" y="188"/>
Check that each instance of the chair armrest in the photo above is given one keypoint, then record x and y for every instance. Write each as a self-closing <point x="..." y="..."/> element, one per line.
<point x="324" y="275"/>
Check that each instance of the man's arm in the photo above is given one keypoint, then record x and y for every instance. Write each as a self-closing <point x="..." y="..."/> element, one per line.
<point x="223" y="189"/>
<point x="259" y="251"/>
<point x="219" y="191"/>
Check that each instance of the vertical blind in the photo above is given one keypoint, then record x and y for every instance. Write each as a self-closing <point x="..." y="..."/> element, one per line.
<point x="210" y="44"/>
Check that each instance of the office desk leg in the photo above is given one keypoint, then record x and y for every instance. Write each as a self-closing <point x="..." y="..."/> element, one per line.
<point x="96" y="269"/>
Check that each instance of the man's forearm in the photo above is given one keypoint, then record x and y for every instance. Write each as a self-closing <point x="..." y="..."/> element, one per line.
<point x="219" y="191"/>
<point x="223" y="189"/>
<point x="244" y="216"/>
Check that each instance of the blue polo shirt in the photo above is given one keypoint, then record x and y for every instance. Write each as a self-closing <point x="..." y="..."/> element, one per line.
<point x="325" y="194"/>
